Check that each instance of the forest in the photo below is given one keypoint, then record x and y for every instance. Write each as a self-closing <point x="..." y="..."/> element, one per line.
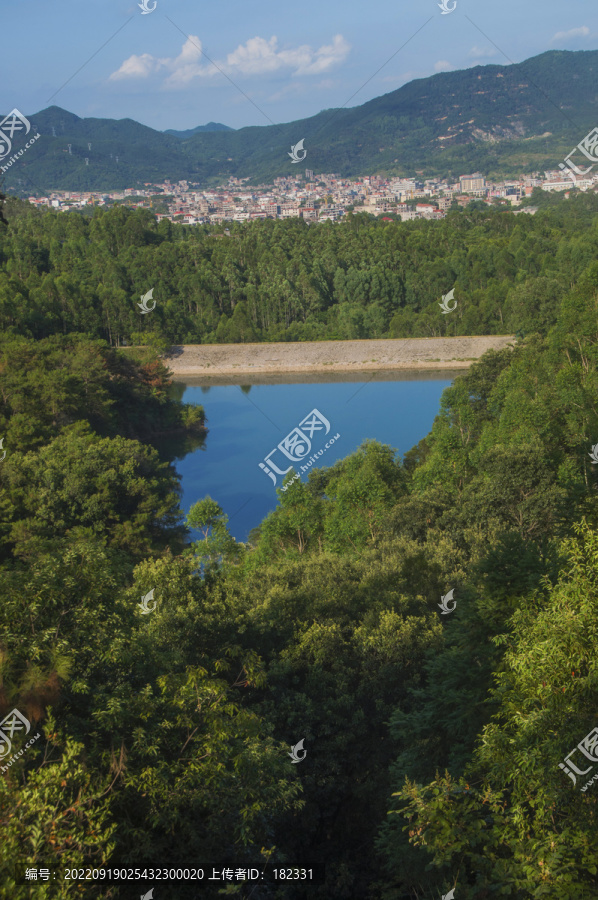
<point x="286" y="280"/>
<point x="434" y="741"/>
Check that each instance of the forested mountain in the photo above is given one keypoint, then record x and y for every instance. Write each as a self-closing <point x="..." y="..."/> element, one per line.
<point x="283" y="280"/>
<point x="500" y="119"/>
<point x="434" y="741"/>
<point x="211" y="126"/>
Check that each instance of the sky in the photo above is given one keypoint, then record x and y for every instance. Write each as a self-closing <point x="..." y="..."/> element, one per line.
<point x="188" y="62"/>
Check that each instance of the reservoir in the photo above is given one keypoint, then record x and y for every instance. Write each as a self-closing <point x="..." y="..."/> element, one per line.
<point x="248" y="422"/>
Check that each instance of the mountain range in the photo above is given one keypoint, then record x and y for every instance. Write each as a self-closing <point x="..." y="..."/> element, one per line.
<point x="501" y="120"/>
<point x="211" y="126"/>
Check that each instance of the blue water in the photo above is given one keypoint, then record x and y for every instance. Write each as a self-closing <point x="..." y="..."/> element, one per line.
<point x="244" y="426"/>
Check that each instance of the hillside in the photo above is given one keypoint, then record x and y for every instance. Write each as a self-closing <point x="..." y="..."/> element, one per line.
<point x="211" y="126"/>
<point x="282" y="281"/>
<point x="499" y="119"/>
<point x="432" y="742"/>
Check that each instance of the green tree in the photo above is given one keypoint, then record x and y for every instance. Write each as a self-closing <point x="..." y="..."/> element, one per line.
<point x="217" y="544"/>
<point x="515" y="820"/>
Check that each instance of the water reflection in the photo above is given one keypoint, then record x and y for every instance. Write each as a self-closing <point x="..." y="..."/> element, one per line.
<point x="395" y="408"/>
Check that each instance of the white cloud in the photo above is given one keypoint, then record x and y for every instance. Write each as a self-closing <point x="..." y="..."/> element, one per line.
<point x="481" y="52"/>
<point x="137" y="67"/>
<point x="186" y="65"/>
<point x="583" y="31"/>
<point x="326" y="57"/>
<point x="256" y="57"/>
<point x="443" y="66"/>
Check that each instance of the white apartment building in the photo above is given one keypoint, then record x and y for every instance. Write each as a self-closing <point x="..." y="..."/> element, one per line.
<point x="332" y="213"/>
<point x="471" y="184"/>
<point x="403" y="186"/>
<point x="568" y="185"/>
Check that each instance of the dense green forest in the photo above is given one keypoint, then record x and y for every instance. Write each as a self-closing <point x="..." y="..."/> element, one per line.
<point x="500" y="120"/>
<point x="434" y="741"/>
<point x="285" y="280"/>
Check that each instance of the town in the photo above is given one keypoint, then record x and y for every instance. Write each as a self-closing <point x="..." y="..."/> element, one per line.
<point x="324" y="197"/>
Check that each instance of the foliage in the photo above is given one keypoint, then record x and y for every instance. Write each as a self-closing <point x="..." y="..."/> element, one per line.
<point x="164" y="735"/>
<point x="286" y="281"/>
<point x="514" y="820"/>
<point x="207" y="516"/>
<point x="49" y="384"/>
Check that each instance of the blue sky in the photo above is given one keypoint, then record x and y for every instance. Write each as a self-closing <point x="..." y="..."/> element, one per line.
<point x="291" y="59"/>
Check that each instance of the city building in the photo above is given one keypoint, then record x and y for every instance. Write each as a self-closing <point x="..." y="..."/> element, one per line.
<point x="472" y="183"/>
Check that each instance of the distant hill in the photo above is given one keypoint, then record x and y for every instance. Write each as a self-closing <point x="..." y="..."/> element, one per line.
<point x="211" y="126"/>
<point x="497" y="119"/>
